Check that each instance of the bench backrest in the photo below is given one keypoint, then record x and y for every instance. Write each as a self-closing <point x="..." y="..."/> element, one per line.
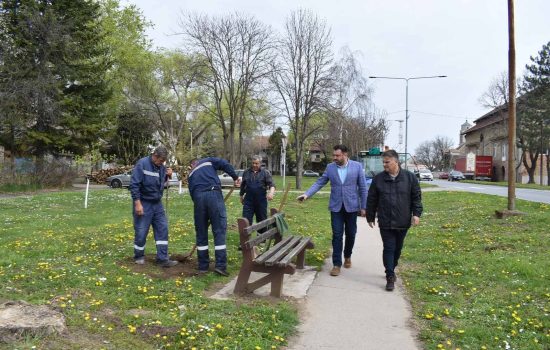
<point x="245" y="231"/>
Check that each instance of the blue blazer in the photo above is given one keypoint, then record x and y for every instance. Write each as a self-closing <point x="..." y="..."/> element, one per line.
<point x="352" y="193"/>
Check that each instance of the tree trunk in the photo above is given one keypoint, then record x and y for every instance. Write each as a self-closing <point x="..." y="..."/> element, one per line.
<point x="531" y="167"/>
<point x="547" y="170"/>
<point x="299" y="164"/>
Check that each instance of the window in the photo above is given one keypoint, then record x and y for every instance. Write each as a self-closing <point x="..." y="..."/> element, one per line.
<point x="504" y="152"/>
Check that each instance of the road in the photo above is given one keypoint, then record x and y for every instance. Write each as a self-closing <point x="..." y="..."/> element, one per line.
<point x="541" y="196"/>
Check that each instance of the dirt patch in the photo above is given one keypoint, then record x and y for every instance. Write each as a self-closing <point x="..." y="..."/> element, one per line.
<point x="187" y="266"/>
<point x="153" y="331"/>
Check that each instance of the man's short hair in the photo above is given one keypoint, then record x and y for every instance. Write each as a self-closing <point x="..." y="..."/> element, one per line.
<point x="161" y="152"/>
<point x="257" y="157"/>
<point x="340" y="147"/>
<point x="391" y="154"/>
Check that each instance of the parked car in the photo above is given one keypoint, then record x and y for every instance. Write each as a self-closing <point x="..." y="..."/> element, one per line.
<point x="456" y="175"/>
<point x="310" y="173"/>
<point x="120" y="180"/>
<point x="425" y="174"/>
<point x="443" y="175"/>
<point x="227" y="181"/>
<point x="123" y="180"/>
<point x="175" y="180"/>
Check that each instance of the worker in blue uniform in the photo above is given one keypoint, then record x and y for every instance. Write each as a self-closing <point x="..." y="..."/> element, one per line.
<point x="256" y="189"/>
<point x="146" y="186"/>
<point x="209" y="209"/>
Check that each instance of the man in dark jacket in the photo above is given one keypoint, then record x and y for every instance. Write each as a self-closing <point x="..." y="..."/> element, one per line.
<point x="256" y="189"/>
<point x="146" y="186"/>
<point x="395" y="196"/>
<point x="209" y="209"/>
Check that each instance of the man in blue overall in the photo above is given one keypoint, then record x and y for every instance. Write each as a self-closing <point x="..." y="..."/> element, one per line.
<point x="146" y="187"/>
<point x="209" y="209"/>
<point x="254" y="191"/>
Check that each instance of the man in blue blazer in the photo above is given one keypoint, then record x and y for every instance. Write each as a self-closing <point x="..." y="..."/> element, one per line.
<point x="348" y="197"/>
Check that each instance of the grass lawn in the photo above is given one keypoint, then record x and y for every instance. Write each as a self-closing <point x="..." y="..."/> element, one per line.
<point x="476" y="282"/>
<point x="505" y="184"/>
<point x="52" y="251"/>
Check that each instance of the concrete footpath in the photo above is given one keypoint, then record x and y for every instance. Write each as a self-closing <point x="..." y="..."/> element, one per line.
<point x="353" y="310"/>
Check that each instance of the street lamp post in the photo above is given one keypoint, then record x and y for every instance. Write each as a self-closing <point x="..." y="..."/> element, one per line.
<point x="407" y="101"/>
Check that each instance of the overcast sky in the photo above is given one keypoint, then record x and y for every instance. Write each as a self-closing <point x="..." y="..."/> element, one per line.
<point x="467" y="40"/>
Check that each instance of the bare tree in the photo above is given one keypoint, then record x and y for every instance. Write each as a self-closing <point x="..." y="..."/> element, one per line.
<point x="351" y="95"/>
<point x="303" y="77"/>
<point x="237" y="51"/>
<point x="432" y="153"/>
<point x="497" y="93"/>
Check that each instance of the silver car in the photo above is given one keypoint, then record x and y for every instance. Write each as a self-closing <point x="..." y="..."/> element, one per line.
<point x="123" y="180"/>
<point x="227" y="181"/>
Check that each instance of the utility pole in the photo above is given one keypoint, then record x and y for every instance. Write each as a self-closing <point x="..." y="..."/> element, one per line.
<point x="511" y="107"/>
<point x="541" y="154"/>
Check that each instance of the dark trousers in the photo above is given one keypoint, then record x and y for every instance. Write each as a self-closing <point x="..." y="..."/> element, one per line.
<point x="255" y="206"/>
<point x="153" y="215"/>
<point x="209" y="209"/>
<point x="393" y="243"/>
<point x="341" y="222"/>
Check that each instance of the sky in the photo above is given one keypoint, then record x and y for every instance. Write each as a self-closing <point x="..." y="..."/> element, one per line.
<point x="466" y="40"/>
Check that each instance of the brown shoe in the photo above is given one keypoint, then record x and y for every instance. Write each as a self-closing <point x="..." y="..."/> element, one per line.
<point x="347" y="263"/>
<point x="335" y="271"/>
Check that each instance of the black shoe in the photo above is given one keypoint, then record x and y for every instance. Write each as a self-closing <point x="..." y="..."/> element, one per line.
<point x="201" y="272"/>
<point x="167" y="263"/>
<point x="221" y="272"/>
<point x="390" y="283"/>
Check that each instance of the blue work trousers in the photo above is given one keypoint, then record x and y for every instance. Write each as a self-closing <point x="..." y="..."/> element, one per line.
<point x="342" y="222"/>
<point x="209" y="209"/>
<point x="153" y="214"/>
<point x="393" y="244"/>
<point x="255" y="203"/>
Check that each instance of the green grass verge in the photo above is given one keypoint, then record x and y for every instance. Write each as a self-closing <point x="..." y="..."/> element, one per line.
<point x="52" y="251"/>
<point x="306" y="183"/>
<point x="505" y="184"/>
<point x="16" y="188"/>
<point x="474" y="281"/>
<point x="477" y="282"/>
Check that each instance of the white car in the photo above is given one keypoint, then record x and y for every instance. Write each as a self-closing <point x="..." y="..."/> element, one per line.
<point x="425" y="174"/>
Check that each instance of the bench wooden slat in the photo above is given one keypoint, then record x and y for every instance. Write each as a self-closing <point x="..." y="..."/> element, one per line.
<point x="297" y="249"/>
<point x="259" y="225"/>
<point x="266" y="255"/>
<point x="276" y="262"/>
<point x="262" y="237"/>
<point x="283" y="251"/>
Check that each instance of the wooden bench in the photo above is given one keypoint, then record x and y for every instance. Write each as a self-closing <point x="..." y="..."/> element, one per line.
<point x="276" y="261"/>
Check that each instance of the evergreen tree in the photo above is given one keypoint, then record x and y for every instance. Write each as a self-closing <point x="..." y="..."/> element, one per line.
<point x="534" y="111"/>
<point x="52" y="68"/>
